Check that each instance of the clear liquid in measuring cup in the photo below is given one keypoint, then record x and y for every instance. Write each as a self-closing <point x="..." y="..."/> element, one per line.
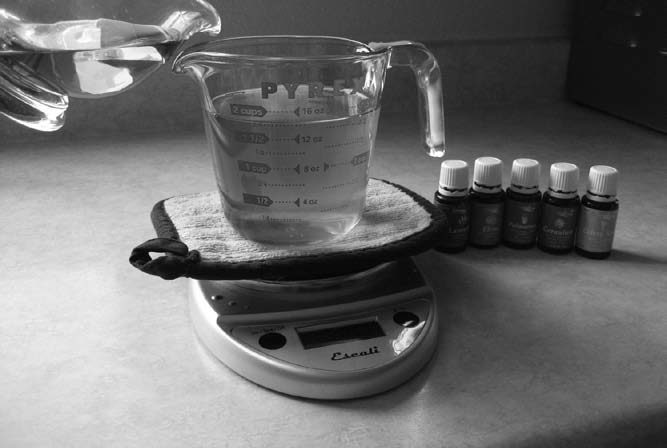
<point x="292" y="171"/>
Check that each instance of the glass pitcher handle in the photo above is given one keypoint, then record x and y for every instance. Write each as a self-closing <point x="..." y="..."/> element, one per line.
<point x="425" y="67"/>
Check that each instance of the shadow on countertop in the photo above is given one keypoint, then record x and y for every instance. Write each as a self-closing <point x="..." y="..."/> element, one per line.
<point x="644" y="429"/>
<point x="634" y="257"/>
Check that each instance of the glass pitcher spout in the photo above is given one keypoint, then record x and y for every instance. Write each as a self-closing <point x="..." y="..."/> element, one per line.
<point x="429" y="84"/>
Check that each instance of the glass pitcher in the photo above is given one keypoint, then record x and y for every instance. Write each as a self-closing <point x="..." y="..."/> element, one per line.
<point x="50" y="51"/>
<point x="292" y="120"/>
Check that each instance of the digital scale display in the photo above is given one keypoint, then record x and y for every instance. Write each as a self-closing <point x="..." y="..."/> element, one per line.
<point x="318" y="336"/>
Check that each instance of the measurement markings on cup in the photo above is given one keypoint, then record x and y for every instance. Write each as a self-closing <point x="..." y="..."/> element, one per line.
<point x="260" y="138"/>
<point x="355" y="161"/>
<point x="356" y="141"/>
<point x="308" y="168"/>
<point x="282" y="220"/>
<point x="255" y="138"/>
<point x="306" y="111"/>
<point x="334" y="186"/>
<point x="251" y="110"/>
<point x="253" y="167"/>
<point x="305" y="139"/>
<point x="360" y="158"/>
<point x="300" y="202"/>
<point x="332" y="209"/>
<point x="354" y="181"/>
<point x="265" y="152"/>
<point x="265" y="201"/>
<point x="281" y="185"/>
<point x="247" y="110"/>
<point x="256" y="199"/>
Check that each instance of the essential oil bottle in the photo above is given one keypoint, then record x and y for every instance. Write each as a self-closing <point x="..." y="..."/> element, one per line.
<point x="452" y="198"/>
<point x="560" y="207"/>
<point x="598" y="213"/>
<point x="522" y="205"/>
<point x="487" y="201"/>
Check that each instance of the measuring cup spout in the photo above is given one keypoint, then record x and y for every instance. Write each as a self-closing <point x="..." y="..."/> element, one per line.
<point x="427" y="73"/>
<point x="187" y="61"/>
<point x="194" y="63"/>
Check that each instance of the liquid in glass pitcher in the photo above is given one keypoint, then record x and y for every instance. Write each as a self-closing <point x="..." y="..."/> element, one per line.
<point x="292" y="120"/>
<point x="51" y="51"/>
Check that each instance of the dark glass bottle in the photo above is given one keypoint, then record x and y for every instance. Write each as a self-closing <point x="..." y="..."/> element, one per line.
<point x="598" y="213"/>
<point x="516" y="234"/>
<point x="457" y="211"/>
<point x="487" y="203"/>
<point x="559" y="211"/>
<point x="559" y="221"/>
<point x="522" y="205"/>
<point x="452" y="198"/>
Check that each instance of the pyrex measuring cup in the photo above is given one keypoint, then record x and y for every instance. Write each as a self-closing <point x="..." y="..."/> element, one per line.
<point x="291" y="121"/>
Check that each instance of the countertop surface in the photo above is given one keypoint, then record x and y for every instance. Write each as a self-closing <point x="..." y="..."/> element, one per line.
<point x="533" y="349"/>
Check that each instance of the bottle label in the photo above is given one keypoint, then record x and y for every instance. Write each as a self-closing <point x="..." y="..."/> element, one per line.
<point x="458" y="225"/>
<point x="596" y="229"/>
<point x="521" y="219"/>
<point x="486" y="223"/>
<point x="558" y="225"/>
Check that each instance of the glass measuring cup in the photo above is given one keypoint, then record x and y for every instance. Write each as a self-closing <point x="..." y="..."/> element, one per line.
<point x="50" y="51"/>
<point x="292" y="120"/>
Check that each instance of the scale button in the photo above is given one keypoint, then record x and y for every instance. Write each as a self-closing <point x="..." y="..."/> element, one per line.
<point x="406" y="319"/>
<point x="272" y="341"/>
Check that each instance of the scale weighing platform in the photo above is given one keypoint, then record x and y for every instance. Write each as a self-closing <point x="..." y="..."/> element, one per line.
<point x="334" y="338"/>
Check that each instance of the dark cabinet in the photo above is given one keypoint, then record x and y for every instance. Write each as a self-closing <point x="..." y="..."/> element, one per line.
<point x="618" y="60"/>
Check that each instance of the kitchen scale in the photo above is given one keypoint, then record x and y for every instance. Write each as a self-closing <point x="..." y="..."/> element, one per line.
<point x="332" y="338"/>
<point x="345" y="319"/>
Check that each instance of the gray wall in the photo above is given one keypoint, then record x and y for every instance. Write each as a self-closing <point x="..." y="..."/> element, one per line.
<point x="428" y="20"/>
<point x="492" y="52"/>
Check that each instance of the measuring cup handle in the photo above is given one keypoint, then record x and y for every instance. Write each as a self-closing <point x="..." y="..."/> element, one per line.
<point x="427" y="73"/>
